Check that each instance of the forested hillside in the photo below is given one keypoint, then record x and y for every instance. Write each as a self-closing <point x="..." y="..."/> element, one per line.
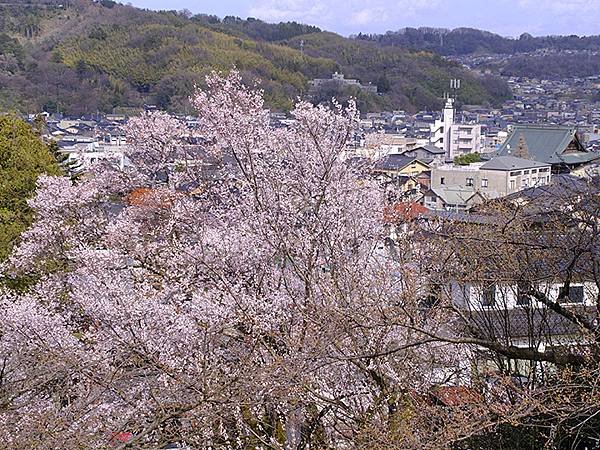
<point x="466" y="41"/>
<point x="84" y="56"/>
<point x="528" y="56"/>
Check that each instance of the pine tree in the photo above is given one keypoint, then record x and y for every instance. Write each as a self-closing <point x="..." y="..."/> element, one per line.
<point x="69" y="167"/>
<point x="522" y="151"/>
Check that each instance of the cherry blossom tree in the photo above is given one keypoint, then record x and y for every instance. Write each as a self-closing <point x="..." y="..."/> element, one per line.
<point x="243" y="293"/>
<point x="255" y="310"/>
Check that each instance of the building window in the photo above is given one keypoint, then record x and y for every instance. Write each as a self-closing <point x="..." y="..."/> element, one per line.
<point x="484" y="182"/>
<point x="514" y="174"/>
<point x="526" y="172"/>
<point x="524" y="182"/>
<point x="544" y="170"/>
<point x="469" y="181"/>
<point x="488" y="295"/>
<point x="533" y="170"/>
<point x="442" y="180"/>
<point x="575" y="294"/>
<point x="512" y="185"/>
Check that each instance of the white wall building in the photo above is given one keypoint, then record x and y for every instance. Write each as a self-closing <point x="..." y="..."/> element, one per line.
<point x="456" y="139"/>
<point x="86" y="155"/>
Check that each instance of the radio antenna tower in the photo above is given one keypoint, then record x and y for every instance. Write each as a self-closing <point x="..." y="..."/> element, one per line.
<point x="454" y="87"/>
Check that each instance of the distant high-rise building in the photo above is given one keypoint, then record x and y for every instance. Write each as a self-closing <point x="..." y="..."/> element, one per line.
<point x="455" y="138"/>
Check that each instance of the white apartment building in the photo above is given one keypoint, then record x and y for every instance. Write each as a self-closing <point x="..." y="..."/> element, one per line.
<point x="455" y="138"/>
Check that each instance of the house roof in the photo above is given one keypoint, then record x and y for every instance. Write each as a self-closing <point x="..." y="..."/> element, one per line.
<point x="574" y="158"/>
<point x="431" y="149"/>
<point x="454" y="195"/>
<point x="455" y="395"/>
<point x="543" y="142"/>
<point x="499" y="323"/>
<point x="561" y="186"/>
<point x="545" y="201"/>
<point x="507" y="163"/>
<point x="403" y="212"/>
<point x="395" y="162"/>
<point x="461" y="216"/>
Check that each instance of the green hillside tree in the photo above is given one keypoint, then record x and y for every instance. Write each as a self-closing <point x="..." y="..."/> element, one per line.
<point x="23" y="157"/>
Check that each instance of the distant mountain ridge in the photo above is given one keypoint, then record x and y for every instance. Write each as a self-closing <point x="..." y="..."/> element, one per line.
<point x="466" y="41"/>
<point x="81" y="56"/>
<point x="548" y="57"/>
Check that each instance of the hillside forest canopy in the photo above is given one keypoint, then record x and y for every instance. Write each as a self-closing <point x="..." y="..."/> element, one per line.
<point x="83" y="57"/>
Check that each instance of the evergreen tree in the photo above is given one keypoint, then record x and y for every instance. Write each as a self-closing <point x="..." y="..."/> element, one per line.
<point x="522" y="151"/>
<point x="68" y="166"/>
<point x="23" y="157"/>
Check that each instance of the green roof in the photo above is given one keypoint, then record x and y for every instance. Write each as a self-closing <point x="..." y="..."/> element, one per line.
<point x="544" y="143"/>
<point x="574" y="158"/>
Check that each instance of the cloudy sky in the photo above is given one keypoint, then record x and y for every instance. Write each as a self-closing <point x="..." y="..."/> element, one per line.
<point x="506" y="17"/>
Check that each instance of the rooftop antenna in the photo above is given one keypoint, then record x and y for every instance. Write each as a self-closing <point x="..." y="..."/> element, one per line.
<point x="454" y="88"/>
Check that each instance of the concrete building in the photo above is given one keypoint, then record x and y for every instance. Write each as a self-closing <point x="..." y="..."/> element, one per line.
<point x="455" y="138"/>
<point x="498" y="177"/>
<point x="464" y="139"/>
<point x="84" y="155"/>
<point x="380" y="144"/>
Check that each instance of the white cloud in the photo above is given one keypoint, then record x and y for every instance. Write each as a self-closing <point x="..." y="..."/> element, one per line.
<point x="340" y="14"/>
<point x="561" y="6"/>
<point x="561" y="16"/>
<point x="413" y="7"/>
<point x="511" y="17"/>
<point x="367" y="16"/>
<point x="288" y="10"/>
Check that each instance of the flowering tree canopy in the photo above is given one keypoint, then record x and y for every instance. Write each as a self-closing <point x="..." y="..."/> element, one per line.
<point x="252" y="308"/>
<point x="254" y="311"/>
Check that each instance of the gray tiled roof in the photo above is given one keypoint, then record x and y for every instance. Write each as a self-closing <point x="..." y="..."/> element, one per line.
<point x="431" y="149"/>
<point x="511" y="163"/>
<point x="574" y="158"/>
<point x="454" y="195"/>
<point x="394" y="162"/>
<point x="499" y="323"/>
<point x="561" y="186"/>
<point x="460" y="216"/>
<point x="543" y="142"/>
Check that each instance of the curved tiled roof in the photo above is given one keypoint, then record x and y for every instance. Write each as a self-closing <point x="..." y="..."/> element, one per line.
<point x="543" y="142"/>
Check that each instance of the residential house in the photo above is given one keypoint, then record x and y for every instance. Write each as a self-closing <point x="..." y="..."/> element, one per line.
<point x="427" y="153"/>
<point x="395" y="165"/>
<point x="452" y="198"/>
